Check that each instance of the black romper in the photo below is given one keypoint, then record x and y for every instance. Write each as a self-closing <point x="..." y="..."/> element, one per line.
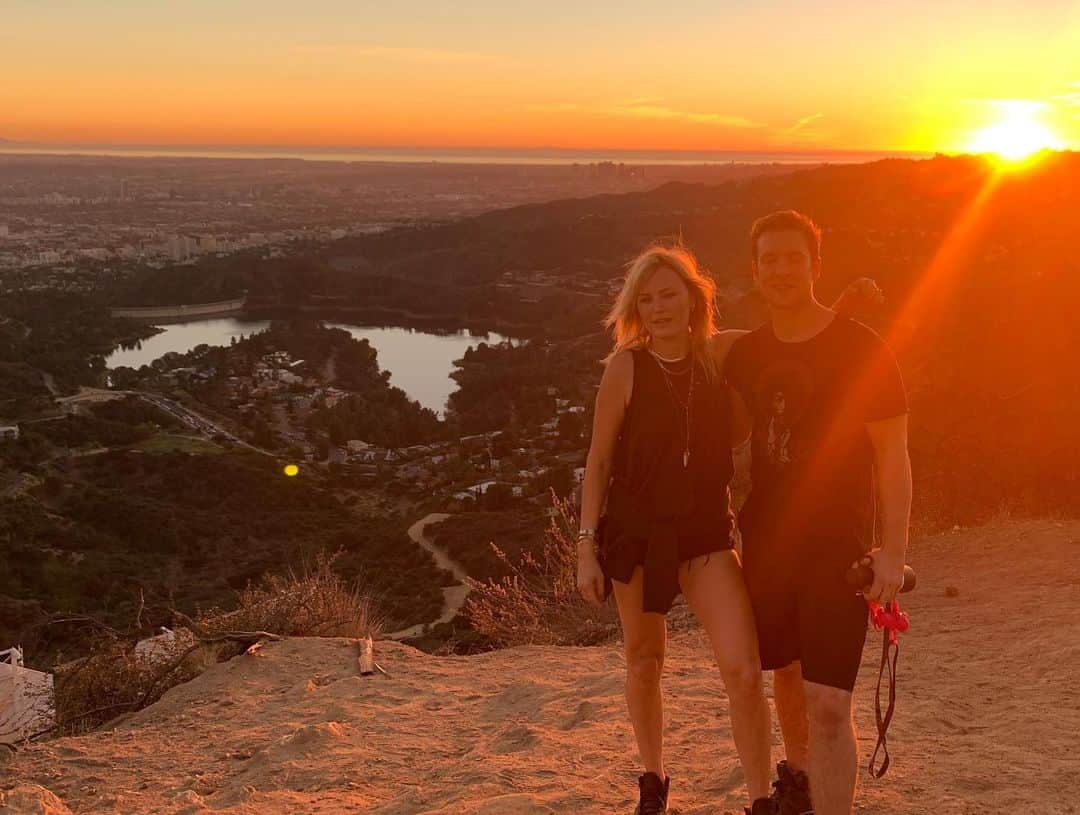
<point x="660" y="513"/>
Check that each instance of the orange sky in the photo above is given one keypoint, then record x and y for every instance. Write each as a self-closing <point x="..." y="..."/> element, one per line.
<point x="638" y="75"/>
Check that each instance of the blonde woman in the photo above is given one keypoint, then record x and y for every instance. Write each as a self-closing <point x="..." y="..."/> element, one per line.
<point x="661" y="461"/>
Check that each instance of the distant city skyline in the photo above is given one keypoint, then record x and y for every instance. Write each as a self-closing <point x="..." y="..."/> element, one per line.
<point x="631" y="76"/>
<point x="464" y="154"/>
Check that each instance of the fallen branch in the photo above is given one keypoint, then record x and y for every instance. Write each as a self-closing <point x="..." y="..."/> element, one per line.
<point x="205" y="637"/>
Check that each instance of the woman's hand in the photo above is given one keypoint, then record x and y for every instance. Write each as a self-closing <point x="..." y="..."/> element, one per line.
<point x="859" y="296"/>
<point x="590" y="577"/>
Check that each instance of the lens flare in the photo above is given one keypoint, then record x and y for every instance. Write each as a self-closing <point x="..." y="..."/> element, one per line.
<point x="1018" y="135"/>
<point x="291" y="470"/>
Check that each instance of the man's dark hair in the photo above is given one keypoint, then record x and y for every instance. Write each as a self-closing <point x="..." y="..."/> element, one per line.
<point x="787" y="220"/>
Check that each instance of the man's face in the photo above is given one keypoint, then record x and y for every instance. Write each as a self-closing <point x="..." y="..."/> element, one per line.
<point x="784" y="271"/>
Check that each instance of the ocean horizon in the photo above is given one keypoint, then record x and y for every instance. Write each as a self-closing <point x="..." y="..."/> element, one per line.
<point x="445" y="155"/>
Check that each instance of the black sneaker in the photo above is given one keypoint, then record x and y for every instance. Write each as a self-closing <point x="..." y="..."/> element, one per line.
<point x="763" y="806"/>
<point x="791" y="791"/>
<point x="654" y="792"/>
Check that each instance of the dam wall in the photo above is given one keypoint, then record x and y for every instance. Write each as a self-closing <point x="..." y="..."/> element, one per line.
<point x="194" y="311"/>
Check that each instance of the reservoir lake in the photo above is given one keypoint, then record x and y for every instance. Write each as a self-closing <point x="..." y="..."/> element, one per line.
<point x="419" y="361"/>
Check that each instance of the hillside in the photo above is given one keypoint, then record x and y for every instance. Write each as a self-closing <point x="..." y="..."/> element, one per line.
<point x="986" y="721"/>
<point x="120" y="531"/>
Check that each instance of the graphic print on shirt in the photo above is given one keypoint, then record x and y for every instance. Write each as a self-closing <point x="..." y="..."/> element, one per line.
<point x="784" y="390"/>
<point x="779" y="431"/>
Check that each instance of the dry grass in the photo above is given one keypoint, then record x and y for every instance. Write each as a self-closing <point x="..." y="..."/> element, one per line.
<point x="538" y="602"/>
<point x="314" y="603"/>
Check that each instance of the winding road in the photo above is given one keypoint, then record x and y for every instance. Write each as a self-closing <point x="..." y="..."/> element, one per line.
<point x="453" y="596"/>
<point x="184" y="414"/>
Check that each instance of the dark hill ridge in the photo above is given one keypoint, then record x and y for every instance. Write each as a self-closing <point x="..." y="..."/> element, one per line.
<point x="887" y="218"/>
<point x="903" y="205"/>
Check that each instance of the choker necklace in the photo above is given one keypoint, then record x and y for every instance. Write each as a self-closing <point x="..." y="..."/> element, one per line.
<point x="666" y="359"/>
<point x="676" y="367"/>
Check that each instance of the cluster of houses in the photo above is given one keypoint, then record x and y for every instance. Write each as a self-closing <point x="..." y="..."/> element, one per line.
<point x="419" y="469"/>
<point x="293" y="389"/>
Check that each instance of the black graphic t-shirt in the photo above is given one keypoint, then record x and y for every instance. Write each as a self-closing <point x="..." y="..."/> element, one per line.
<point x="812" y="470"/>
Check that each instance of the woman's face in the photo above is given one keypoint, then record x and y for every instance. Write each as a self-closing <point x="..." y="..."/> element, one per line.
<point x="663" y="304"/>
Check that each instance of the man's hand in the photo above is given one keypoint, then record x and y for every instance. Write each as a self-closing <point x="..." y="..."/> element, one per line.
<point x="859" y="296"/>
<point x="888" y="576"/>
<point x="590" y="577"/>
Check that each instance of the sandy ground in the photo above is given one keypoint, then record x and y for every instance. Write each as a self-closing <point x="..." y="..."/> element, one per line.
<point x="987" y="722"/>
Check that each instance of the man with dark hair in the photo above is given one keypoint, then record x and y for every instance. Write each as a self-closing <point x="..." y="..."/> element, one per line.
<point x="829" y="420"/>
<point x="787" y="220"/>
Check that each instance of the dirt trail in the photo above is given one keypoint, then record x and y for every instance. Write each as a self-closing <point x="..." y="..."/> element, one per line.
<point x="453" y="596"/>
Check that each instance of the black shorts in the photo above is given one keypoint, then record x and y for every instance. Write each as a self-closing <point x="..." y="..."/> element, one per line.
<point x="622" y="551"/>
<point x="806" y="612"/>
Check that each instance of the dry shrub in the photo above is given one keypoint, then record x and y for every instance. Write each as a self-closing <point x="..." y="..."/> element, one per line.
<point x="538" y="602"/>
<point x="113" y="679"/>
<point x="315" y="603"/>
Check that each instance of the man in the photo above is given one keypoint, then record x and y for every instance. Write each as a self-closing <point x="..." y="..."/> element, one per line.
<point x="829" y="422"/>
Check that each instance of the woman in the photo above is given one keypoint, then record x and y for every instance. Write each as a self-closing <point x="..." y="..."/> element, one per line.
<point x="662" y="436"/>
<point x="661" y="460"/>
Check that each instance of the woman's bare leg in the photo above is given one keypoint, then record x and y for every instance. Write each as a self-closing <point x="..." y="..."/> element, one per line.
<point x="645" y="639"/>
<point x="713" y="586"/>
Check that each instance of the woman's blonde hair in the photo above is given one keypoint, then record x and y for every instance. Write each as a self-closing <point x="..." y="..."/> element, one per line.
<point x="624" y="322"/>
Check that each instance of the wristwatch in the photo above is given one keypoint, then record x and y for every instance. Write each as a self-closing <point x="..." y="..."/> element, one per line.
<point x="586" y="532"/>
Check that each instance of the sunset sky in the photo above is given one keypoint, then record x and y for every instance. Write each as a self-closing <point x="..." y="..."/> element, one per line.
<point x="717" y="75"/>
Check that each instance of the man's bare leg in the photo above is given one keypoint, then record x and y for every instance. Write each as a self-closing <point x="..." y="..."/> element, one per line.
<point x="790" y="701"/>
<point x="833" y="749"/>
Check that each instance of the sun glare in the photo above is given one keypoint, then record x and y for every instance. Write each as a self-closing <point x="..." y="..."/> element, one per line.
<point x="1017" y="136"/>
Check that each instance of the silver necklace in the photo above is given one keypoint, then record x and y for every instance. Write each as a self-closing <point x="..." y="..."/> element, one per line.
<point x="666" y="359"/>
<point x="686" y="407"/>
<point x="663" y="362"/>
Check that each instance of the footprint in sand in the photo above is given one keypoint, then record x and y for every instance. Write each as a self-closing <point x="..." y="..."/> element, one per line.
<point x="585" y="712"/>
<point x="513" y="739"/>
<point x="517" y="700"/>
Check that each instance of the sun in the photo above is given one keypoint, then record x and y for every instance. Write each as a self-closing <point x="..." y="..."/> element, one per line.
<point x="1017" y="136"/>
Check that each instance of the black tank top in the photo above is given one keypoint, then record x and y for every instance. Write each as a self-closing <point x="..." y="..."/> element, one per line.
<point x="653" y="496"/>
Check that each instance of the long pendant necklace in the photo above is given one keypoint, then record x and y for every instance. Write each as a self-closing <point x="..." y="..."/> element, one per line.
<point x="687" y="407"/>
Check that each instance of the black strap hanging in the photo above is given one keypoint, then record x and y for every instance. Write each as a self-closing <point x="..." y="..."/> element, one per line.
<point x="890" y="653"/>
